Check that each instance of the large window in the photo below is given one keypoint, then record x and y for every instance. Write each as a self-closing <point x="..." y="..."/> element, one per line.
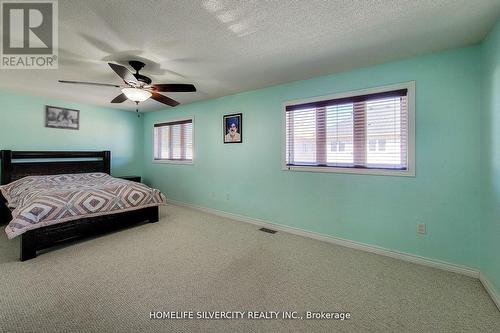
<point x="173" y="141"/>
<point x="369" y="131"/>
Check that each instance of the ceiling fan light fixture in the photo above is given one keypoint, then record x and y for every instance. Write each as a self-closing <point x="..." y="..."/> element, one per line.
<point x="136" y="94"/>
<point x="139" y="87"/>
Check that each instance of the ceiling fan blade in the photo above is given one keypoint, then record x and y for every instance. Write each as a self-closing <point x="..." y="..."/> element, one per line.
<point x="119" y="99"/>
<point x="163" y="99"/>
<point x="174" y="87"/>
<point x="90" y="83"/>
<point x="124" y="73"/>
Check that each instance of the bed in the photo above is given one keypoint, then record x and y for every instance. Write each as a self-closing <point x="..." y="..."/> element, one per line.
<point x="52" y="197"/>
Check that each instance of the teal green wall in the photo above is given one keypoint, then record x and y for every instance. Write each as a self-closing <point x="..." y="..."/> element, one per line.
<point x="22" y="128"/>
<point x="490" y="158"/>
<point x="377" y="210"/>
<point x="452" y="137"/>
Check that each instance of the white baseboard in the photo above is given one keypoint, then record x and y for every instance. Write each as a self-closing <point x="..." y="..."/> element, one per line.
<point x="339" y="241"/>
<point x="494" y="294"/>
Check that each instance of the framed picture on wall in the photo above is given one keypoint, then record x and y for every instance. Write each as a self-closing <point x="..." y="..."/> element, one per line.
<point x="56" y="117"/>
<point x="233" y="128"/>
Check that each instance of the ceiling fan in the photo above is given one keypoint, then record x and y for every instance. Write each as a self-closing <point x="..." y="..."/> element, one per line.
<point x="138" y="87"/>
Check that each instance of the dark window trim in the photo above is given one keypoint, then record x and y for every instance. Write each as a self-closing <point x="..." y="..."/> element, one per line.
<point x="170" y="158"/>
<point x="350" y="97"/>
<point x="346" y="100"/>
<point x="187" y="121"/>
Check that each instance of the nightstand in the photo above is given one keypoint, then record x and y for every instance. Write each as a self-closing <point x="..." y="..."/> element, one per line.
<point x="136" y="179"/>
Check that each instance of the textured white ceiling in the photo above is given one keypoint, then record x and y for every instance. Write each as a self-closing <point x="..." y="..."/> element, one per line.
<point x="228" y="46"/>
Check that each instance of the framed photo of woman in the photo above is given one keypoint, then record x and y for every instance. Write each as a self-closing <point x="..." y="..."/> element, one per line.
<point x="233" y="128"/>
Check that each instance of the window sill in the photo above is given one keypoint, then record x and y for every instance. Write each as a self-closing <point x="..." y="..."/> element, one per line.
<point x="357" y="171"/>
<point x="172" y="162"/>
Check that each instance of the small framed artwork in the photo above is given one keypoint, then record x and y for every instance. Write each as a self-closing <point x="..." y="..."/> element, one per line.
<point x="233" y="128"/>
<point x="56" y="117"/>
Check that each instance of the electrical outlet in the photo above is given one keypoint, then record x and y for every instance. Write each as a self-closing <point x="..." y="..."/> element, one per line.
<point x="421" y="229"/>
<point x="212" y="194"/>
<point x="227" y="196"/>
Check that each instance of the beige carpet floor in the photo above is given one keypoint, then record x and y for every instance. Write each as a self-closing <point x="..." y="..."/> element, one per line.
<point x="198" y="262"/>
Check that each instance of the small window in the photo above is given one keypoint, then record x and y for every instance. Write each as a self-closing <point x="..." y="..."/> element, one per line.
<point x="369" y="131"/>
<point x="173" y="141"/>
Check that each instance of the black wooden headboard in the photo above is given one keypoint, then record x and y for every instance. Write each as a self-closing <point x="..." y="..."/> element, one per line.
<point x="18" y="164"/>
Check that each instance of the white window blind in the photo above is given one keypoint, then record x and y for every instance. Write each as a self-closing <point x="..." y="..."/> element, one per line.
<point x="173" y="141"/>
<point x="365" y="132"/>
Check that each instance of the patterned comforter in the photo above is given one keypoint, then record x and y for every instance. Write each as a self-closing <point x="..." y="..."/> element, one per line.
<point x="39" y="201"/>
